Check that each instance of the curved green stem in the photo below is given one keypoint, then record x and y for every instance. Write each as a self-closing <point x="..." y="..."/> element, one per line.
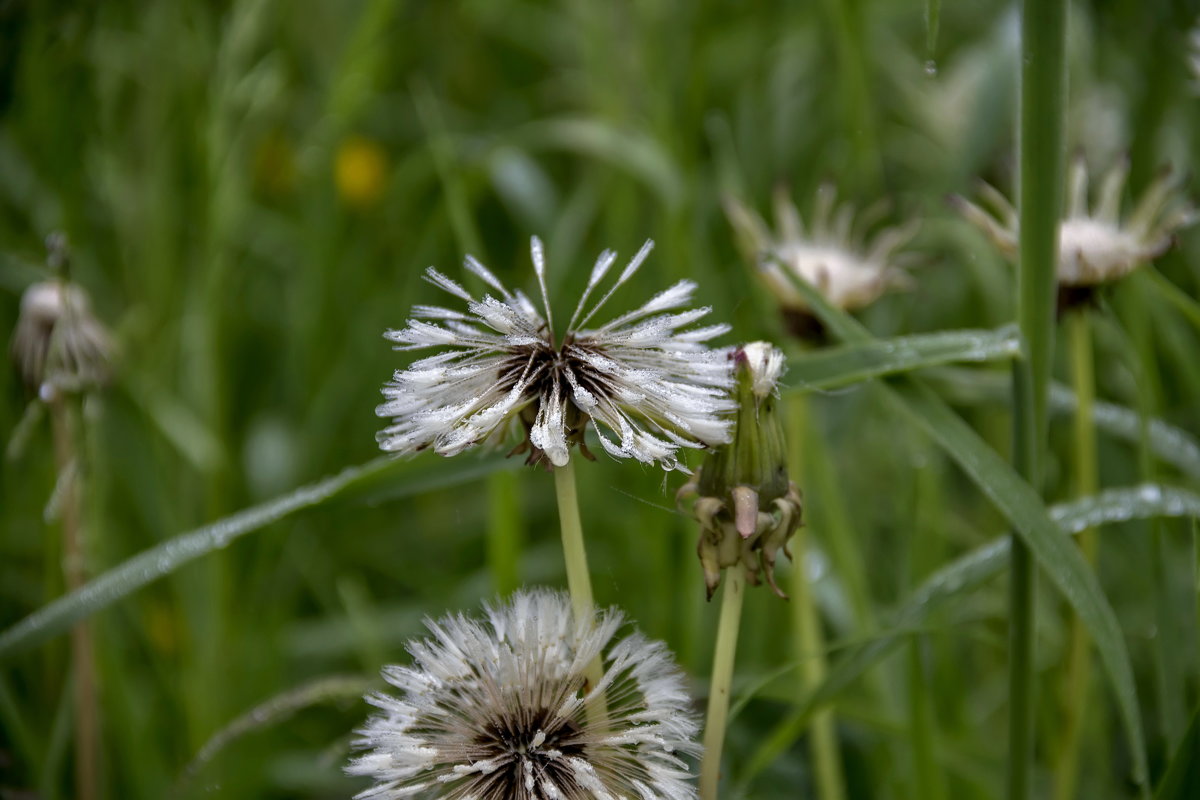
<point x="722" y="680"/>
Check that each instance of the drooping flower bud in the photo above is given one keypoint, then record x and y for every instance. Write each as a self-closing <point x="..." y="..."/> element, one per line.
<point x="743" y="499"/>
<point x="58" y="344"/>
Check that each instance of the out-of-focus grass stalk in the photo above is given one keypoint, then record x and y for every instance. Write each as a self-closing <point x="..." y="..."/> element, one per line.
<point x="579" y="581"/>
<point x="1169" y="682"/>
<point x="722" y="677"/>
<point x="83" y="657"/>
<point x="927" y="552"/>
<point x="806" y="624"/>
<point x="1040" y="192"/>
<point x="852" y="54"/>
<point x="1077" y="676"/>
<point x="504" y="521"/>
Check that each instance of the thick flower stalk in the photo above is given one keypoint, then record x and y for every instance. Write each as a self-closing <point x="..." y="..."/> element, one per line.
<point x="1095" y="245"/>
<point x="849" y="268"/>
<point x="645" y="379"/>
<point x="741" y="496"/>
<point x="495" y="709"/>
<point x="62" y="350"/>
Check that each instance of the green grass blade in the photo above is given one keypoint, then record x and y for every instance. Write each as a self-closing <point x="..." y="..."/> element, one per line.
<point x="1058" y="558"/>
<point x="955" y="580"/>
<point x="1024" y="509"/>
<point x="1182" y="778"/>
<point x="1170" y="444"/>
<point x="1183" y="302"/>
<point x="163" y="559"/>
<point x="274" y="711"/>
<point x="832" y="367"/>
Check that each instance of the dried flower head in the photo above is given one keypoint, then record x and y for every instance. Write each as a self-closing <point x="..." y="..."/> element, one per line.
<point x="58" y="344"/>
<point x="1094" y="246"/>
<point x="496" y="710"/>
<point x="742" y="497"/>
<point x="1193" y="56"/>
<point x="850" y="271"/>
<point x="645" y="378"/>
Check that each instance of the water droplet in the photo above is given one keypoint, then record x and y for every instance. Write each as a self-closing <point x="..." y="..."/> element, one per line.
<point x="931" y="68"/>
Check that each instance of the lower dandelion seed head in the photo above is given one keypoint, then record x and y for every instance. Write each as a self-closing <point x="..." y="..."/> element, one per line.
<point x="498" y="708"/>
<point x="646" y="379"/>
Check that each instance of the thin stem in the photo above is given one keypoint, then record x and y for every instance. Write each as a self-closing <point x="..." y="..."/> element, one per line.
<point x="823" y="744"/>
<point x="83" y="661"/>
<point x="1077" y="680"/>
<point x="722" y="679"/>
<point x="579" y="582"/>
<point x="1040" y="191"/>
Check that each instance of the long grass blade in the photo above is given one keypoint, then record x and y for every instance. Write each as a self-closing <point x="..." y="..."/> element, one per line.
<point x="163" y="559"/>
<point x="954" y="581"/>
<point x="833" y="367"/>
<point x="1170" y="444"/>
<point x="1023" y="507"/>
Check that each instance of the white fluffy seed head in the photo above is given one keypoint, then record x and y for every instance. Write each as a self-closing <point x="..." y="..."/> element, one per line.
<point x="58" y="344"/>
<point x="646" y="379"/>
<point x="849" y="272"/>
<point x="1095" y="245"/>
<point x="496" y="708"/>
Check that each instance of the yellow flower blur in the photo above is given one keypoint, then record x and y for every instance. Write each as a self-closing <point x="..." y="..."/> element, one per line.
<point x="360" y="169"/>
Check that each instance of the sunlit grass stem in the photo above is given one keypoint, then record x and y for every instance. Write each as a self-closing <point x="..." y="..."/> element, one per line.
<point x="579" y="581"/>
<point x="83" y="657"/>
<point x="1040" y="192"/>
<point x="1077" y="675"/>
<point x="721" y="681"/>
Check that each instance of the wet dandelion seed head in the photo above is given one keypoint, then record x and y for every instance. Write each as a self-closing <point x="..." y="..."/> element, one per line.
<point x="645" y="379"/>
<point x="496" y="709"/>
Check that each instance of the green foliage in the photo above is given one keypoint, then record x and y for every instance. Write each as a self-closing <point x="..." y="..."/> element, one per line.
<point x="252" y="190"/>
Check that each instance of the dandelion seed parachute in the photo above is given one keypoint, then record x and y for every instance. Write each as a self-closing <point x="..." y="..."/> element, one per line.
<point x="496" y="709"/>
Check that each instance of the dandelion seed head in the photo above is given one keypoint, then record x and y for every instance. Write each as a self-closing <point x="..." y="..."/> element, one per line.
<point x="645" y="379"/>
<point x="497" y="708"/>
<point x="58" y="343"/>
<point x="848" y="268"/>
<point x="1096" y="245"/>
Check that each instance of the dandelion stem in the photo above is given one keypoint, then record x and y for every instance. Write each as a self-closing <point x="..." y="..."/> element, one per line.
<point x="579" y="582"/>
<point x="1077" y="679"/>
<point x="83" y="665"/>
<point x="1040" y="193"/>
<point x="722" y="679"/>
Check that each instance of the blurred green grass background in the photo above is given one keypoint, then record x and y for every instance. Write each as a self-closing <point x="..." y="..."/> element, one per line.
<point x="252" y="190"/>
